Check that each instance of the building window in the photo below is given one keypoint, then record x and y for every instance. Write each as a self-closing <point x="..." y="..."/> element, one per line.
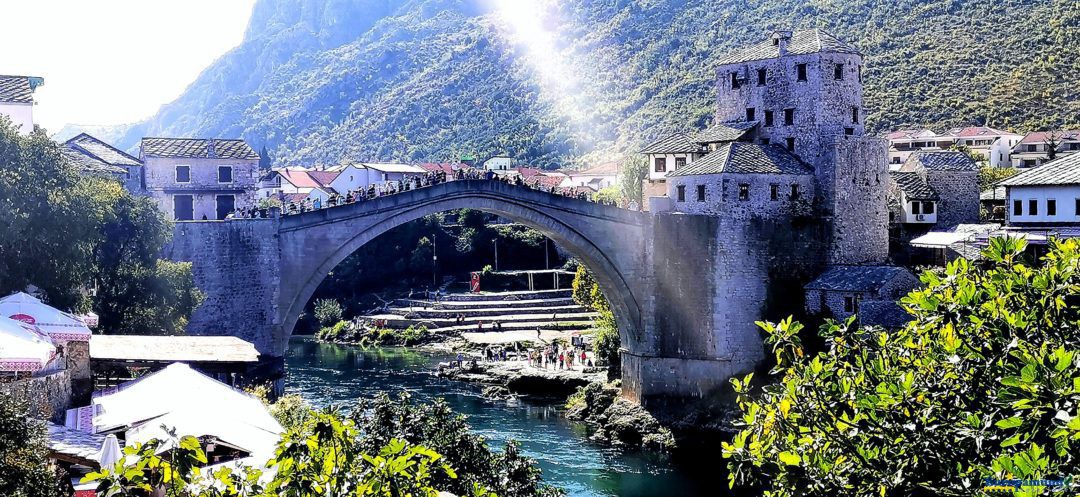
<point x="849" y="303"/>
<point x="896" y="160"/>
<point x="680" y="162"/>
<point x="1033" y="207"/>
<point x="791" y="144"/>
<point x="1051" y="207"/>
<point x="681" y="193"/>
<point x="794" y="191"/>
<point x="768" y="118"/>
<point x="183" y="207"/>
<point x="225" y="205"/>
<point x="734" y="81"/>
<point x="916" y="208"/>
<point x="750" y="114"/>
<point x="183" y="174"/>
<point x="838" y="72"/>
<point x="849" y="131"/>
<point x="860" y="74"/>
<point x="1076" y="207"/>
<point x="774" y="192"/>
<point x="701" y="193"/>
<point x="224" y="174"/>
<point x="744" y="191"/>
<point x="800" y="71"/>
<point x="761" y="77"/>
<point x="1032" y="148"/>
<point x="854" y="115"/>
<point x="1018" y="207"/>
<point x="765" y="141"/>
<point x="660" y="165"/>
<point x="928" y="207"/>
<point x="789" y="117"/>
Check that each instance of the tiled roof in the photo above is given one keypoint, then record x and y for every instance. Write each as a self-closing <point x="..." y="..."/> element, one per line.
<point x="913" y="185"/>
<point x="884" y="313"/>
<point x="1063" y="171"/>
<point x="940" y="160"/>
<point x="544" y="180"/>
<point x="855" y="278"/>
<point x="724" y="132"/>
<point x="802" y="42"/>
<point x="976" y="131"/>
<point x="1044" y="136"/>
<point x="528" y="172"/>
<point x="303" y="178"/>
<point x="16" y="89"/>
<point x="605" y="169"/>
<point x="74" y="445"/>
<point x="746" y="158"/>
<point x="197" y="148"/>
<point x="100" y="150"/>
<point x="678" y="143"/>
<point x="90" y="165"/>
<point x="909" y="134"/>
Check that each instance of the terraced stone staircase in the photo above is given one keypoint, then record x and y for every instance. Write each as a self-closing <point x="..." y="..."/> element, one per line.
<point x="544" y="309"/>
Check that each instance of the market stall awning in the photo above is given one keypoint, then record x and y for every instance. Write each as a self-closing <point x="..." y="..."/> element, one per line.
<point x="23" y="348"/>
<point x="941" y="239"/>
<point x="59" y="325"/>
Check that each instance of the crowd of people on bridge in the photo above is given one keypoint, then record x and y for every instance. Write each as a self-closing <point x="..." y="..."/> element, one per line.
<point x="409" y="183"/>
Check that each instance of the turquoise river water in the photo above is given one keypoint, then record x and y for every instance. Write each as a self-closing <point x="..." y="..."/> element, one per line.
<point x="327" y="374"/>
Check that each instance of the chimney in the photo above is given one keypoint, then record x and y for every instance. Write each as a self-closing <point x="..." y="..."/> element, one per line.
<point x="210" y="152"/>
<point x="780" y="40"/>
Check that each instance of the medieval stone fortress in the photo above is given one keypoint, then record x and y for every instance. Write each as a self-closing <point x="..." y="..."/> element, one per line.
<point x="783" y="205"/>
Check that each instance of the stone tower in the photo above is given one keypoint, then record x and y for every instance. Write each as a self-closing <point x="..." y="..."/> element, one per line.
<point x="804" y="91"/>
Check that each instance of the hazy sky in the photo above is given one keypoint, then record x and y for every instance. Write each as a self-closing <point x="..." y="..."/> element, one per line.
<point x="114" y="61"/>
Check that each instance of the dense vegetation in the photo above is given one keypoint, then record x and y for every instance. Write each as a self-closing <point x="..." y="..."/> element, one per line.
<point x="388" y="447"/>
<point x="24" y="469"/>
<point x="86" y="242"/>
<point x="984" y="383"/>
<point x="434" y="79"/>
<point x="606" y="342"/>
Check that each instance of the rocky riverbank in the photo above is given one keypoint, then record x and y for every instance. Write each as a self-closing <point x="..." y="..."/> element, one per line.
<point x="517" y="377"/>
<point x="617" y="421"/>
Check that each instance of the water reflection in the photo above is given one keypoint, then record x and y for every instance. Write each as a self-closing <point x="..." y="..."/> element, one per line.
<point x="330" y="374"/>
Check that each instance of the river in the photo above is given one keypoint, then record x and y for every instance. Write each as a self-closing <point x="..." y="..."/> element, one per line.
<point x="331" y="374"/>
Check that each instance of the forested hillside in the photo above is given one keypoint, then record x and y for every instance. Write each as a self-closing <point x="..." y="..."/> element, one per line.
<point x="320" y="81"/>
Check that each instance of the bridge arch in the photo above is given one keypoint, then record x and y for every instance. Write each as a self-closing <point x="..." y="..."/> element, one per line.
<point x="609" y="241"/>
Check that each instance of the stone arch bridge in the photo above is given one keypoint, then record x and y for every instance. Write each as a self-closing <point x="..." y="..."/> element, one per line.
<point x="684" y="302"/>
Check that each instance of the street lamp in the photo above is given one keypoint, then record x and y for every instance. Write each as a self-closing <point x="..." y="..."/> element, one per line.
<point x="495" y="241"/>
<point x="434" y="264"/>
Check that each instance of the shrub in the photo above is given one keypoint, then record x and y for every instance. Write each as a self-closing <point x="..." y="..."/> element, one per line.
<point x="328" y="311"/>
<point x="984" y="383"/>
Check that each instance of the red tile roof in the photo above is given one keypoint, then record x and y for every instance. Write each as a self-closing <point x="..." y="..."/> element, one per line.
<point x="905" y="134"/>
<point x="544" y="180"/>
<point x="971" y="131"/>
<point x="605" y="169"/>
<point x="529" y="172"/>
<point x="1042" y="136"/>
<point x="308" y="179"/>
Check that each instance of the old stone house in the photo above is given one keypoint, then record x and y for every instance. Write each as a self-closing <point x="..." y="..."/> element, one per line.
<point x="94" y="156"/>
<point x="931" y="188"/>
<point x="871" y="292"/>
<point x="200" y="178"/>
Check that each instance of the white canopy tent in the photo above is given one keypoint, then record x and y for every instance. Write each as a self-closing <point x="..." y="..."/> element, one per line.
<point x="23" y="348"/>
<point x="193" y="403"/>
<point x="59" y="325"/>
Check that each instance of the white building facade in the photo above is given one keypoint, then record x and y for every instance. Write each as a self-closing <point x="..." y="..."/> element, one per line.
<point x="17" y="100"/>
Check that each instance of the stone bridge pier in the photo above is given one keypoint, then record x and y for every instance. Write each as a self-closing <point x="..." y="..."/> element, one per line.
<point x="685" y="303"/>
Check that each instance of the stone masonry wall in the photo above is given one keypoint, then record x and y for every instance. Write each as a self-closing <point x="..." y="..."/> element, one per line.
<point x="237" y="265"/>
<point x="857" y="212"/>
<point x="161" y="183"/>
<point x="958" y="196"/>
<point x="48" y="396"/>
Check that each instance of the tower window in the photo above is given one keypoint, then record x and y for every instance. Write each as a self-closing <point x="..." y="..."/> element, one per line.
<point x="800" y="71"/>
<point x="768" y="118"/>
<point x="838" y="72"/>
<point x="765" y="141"/>
<point x="750" y="114"/>
<point x="744" y="191"/>
<point x="854" y="115"/>
<point x="774" y="191"/>
<point x="789" y="117"/>
<point x="701" y="193"/>
<point x="850" y="132"/>
<point x="681" y="193"/>
<point x="761" y="77"/>
<point x="794" y="191"/>
<point x="791" y="143"/>
<point x="734" y="81"/>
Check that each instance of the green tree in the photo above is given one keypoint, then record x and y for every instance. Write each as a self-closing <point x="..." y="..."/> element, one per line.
<point x="983" y="383"/>
<point x="635" y="168"/>
<point x="988" y="176"/>
<point x="606" y="343"/>
<point x="328" y="311"/>
<point x="607" y="195"/>
<point x="25" y="470"/>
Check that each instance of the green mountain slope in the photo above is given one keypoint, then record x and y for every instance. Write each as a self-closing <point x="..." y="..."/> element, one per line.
<point x="321" y="82"/>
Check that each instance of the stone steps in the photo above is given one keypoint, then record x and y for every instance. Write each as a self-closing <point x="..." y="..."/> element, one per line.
<point x="399" y="321"/>
<point x="422" y="313"/>
<point x="524" y="295"/>
<point x="479" y="304"/>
